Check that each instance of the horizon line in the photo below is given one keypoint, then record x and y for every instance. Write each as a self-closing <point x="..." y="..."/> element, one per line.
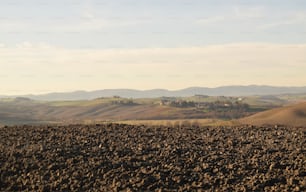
<point x="134" y="89"/>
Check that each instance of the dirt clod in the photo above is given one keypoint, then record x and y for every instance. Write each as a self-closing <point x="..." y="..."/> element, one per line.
<point x="113" y="157"/>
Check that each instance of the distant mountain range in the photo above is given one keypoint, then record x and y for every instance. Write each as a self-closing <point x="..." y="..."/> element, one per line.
<point x="154" y="93"/>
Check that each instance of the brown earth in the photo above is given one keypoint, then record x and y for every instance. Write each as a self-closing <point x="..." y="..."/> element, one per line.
<point x="115" y="157"/>
<point x="294" y="115"/>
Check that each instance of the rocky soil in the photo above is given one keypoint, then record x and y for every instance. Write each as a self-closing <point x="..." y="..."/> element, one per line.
<point x="116" y="157"/>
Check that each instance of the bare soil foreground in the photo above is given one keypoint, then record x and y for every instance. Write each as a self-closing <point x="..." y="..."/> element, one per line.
<point x="117" y="157"/>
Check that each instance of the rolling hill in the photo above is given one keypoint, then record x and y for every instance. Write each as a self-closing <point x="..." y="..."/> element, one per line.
<point x="22" y="110"/>
<point x="26" y="111"/>
<point x="294" y="115"/>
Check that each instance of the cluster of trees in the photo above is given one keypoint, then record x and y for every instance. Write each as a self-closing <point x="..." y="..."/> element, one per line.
<point x="206" y="105"/>
<point x="226" y="109"/>
<point x="220" y="105"/>
<point x="124" y="102"/>
<point x="179" y="103"/>
<point x="217" y="109"/>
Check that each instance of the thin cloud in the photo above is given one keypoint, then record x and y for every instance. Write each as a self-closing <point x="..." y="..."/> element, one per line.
<point x="87" y="22"/>
<point x="88" y="16"/>
<point x="234" y="14"/>
<point x="296" y="18"/>
<point x="246" y="12"/>
<point x="13" y="25"/>
<point x="210" y="20"/>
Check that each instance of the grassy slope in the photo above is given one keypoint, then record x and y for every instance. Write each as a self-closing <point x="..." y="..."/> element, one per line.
<point x="294" y="115"/>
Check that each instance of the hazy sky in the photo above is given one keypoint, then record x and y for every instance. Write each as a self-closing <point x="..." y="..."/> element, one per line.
<point x="65" y="45"/>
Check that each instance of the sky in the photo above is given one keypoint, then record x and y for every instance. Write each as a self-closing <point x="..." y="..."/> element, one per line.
<point x="67" y="45"/>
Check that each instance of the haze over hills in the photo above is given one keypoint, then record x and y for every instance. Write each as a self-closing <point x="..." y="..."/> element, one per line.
<point x="80" y="106"/>
<point x="294" y="115"/>
<point x="23" y="110"/>
<point x="155" y="93"/>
